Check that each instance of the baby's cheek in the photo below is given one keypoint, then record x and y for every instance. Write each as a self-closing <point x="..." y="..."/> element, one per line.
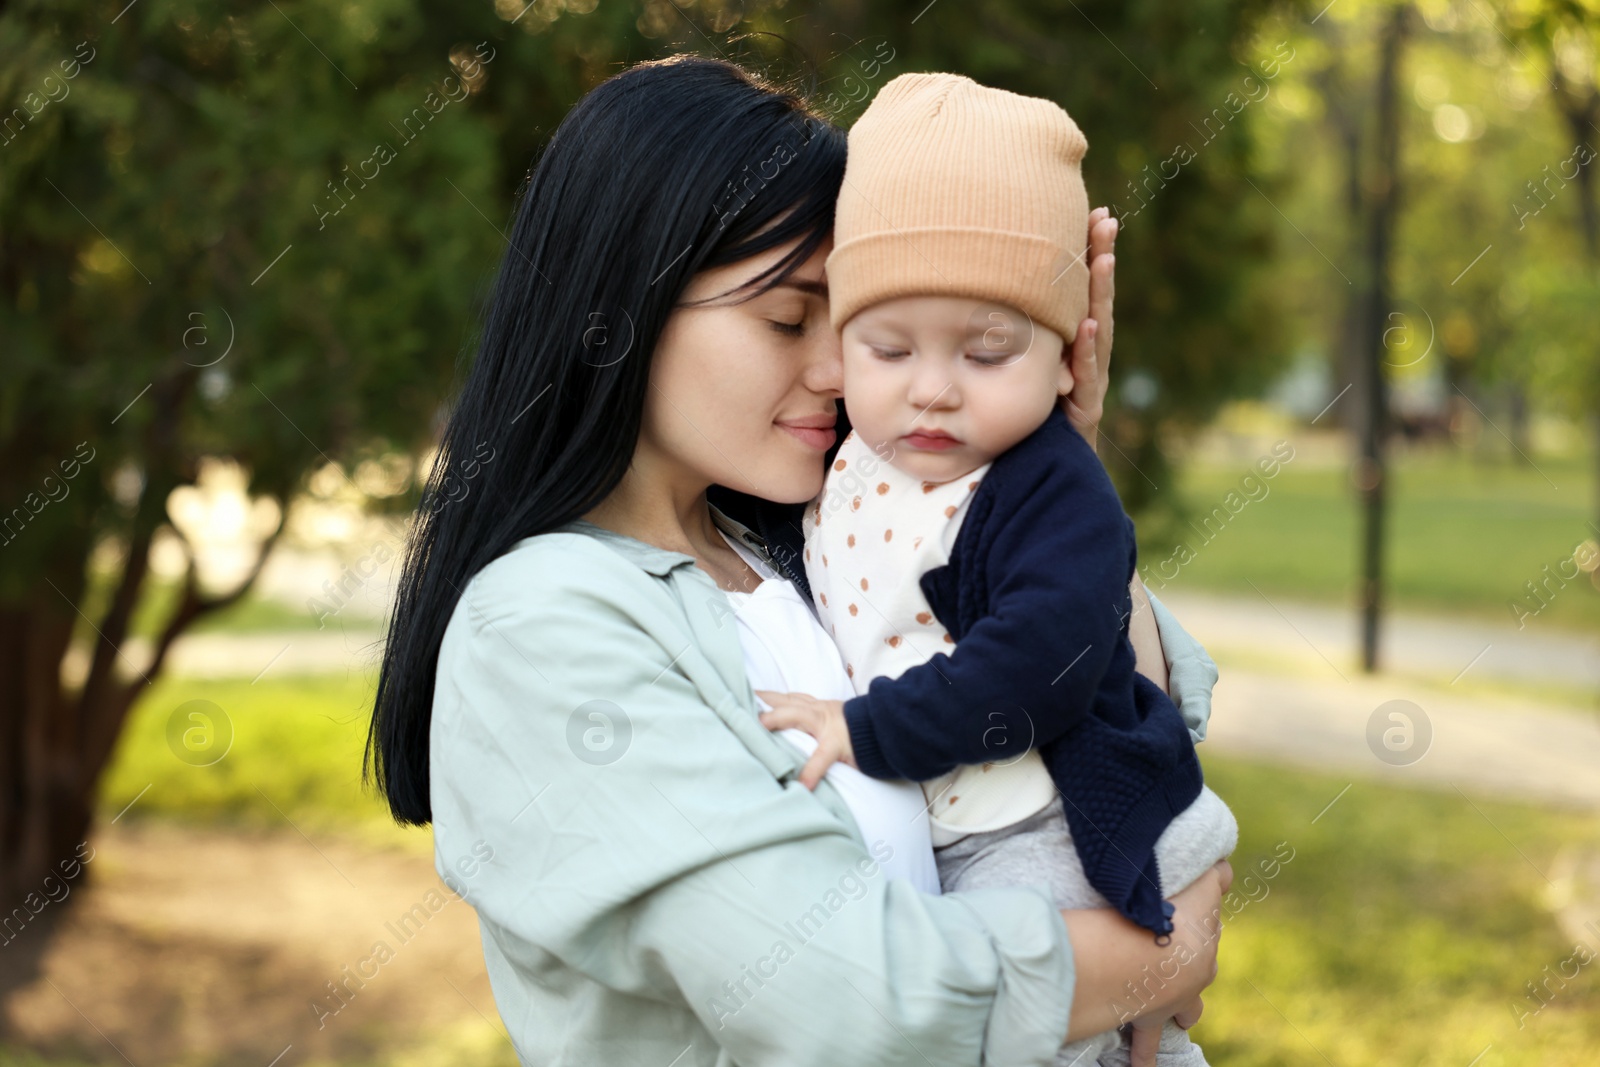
<point x="1012" y="414"/>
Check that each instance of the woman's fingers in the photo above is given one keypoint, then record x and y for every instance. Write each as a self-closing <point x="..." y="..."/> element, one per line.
<point x="1225" y="873"/>
<point x="1102" y="281"/>
<point x="1142" y="1046"/>
<point x="1198" y="924"/>
<point x="1085" y="405"/>
<point x="1102" y="297"/>
<point x="1091" y="348"/>
<point x="1189" y="1014"/>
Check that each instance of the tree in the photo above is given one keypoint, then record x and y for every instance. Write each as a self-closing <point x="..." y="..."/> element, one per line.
<point x="260" y="233"/>
<point x="233" y="231"/>
<point x="1565" y="35"/>
<point x="1167" y="96"/>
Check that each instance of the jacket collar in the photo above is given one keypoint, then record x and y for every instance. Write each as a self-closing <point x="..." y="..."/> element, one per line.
<point x="661" y="561"/>
<point x="645" y="556"/>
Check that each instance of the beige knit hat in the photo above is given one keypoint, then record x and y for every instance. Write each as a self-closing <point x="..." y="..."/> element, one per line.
<point x="954" y="188"/>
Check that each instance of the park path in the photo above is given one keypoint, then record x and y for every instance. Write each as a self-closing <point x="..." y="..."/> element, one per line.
<point x="1312" y="706"/>
<point x="1289" y="690"/>
<point x="1417" y="644"/>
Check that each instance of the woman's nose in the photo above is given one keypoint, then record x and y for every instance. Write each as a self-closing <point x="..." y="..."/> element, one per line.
<point x="825" y="365"/>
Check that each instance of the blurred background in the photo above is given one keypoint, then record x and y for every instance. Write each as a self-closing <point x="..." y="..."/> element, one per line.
<point x="1355" y="410"/>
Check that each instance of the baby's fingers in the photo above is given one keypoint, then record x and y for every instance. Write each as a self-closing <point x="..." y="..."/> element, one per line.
<point x="781" y="719"/>
<point x="816" y="767"/>
<point x="789" y="704"/>
<point x="785" y="716"/>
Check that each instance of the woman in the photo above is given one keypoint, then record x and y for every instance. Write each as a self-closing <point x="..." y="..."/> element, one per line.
<point x="564" y="691"/>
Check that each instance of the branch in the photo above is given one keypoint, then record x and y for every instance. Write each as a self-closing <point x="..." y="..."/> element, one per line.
<point x="113" y="626"/>
<point x="193" y="606"/>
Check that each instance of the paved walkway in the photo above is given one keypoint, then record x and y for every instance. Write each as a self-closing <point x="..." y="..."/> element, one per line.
<point x="1317" y="709"/>
<point x="1312" y="707"/>
<point x="1412" y="644"/>
<point x="1511" y="748"/>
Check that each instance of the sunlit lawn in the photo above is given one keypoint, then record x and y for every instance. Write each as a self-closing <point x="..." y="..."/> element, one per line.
<point x="1463" y="535"/>
<point x="1401" y="932"/>
<point x="295" y="756"/>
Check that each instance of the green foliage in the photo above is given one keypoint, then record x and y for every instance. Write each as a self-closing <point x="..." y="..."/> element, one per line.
<point x="255" y="232"/>
<point x="1195" y="312"/>
<point x="278" y="184"/>
<point x="1464" y="536"/>
<point x="1494" y="287"/>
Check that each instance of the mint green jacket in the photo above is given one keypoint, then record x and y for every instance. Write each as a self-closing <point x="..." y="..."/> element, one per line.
<point x="653" y="884"/>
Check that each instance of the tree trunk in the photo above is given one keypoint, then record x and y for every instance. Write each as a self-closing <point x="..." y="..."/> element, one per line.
<point x="1581" y="108"/>
<point x="45" y="802"/>
<point x="55" y="743"/>
<point x="1344" y="116"/>
<point x="1517" y="423"/>
<point x="1371" y="474"/>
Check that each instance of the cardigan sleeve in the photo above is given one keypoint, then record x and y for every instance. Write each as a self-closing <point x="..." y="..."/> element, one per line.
<point x="1191" y="672"/>
<point x="682" y="874"/>
<point x="1057" y="556"/>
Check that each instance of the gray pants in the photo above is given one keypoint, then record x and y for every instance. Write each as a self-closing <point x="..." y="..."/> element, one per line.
<point x="1038" y="851"/>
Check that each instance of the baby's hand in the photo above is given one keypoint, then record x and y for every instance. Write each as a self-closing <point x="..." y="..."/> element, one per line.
<point x="822" y="719"/>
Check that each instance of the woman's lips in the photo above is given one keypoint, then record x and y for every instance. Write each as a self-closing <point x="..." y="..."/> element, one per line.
<point x="932" y="442"/>
<point x="820" y="438"/>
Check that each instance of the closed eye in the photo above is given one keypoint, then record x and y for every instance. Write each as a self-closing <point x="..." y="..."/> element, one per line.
<point x="792" y="329"/>
<point x="986" y="359"/>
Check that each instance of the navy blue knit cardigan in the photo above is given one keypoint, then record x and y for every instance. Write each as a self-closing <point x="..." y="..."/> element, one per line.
<point x="1036" y="596"/>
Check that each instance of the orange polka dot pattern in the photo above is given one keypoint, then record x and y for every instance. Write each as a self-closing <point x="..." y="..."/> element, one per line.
<point x="884" y="529"/>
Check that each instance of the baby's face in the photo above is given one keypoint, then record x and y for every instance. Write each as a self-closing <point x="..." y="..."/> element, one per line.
<point x="948" y="383"/>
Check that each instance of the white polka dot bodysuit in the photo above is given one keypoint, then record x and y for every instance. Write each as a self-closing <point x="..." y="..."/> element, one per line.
<point x="870" y="537"/>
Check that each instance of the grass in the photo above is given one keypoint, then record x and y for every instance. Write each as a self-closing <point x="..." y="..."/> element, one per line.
<point x="1463" y="536"/>
<point x="1402" y="930"/>
<point x="294" y="759"/>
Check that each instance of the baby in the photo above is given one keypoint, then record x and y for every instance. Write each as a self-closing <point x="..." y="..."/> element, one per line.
<point x="969" y="554"/>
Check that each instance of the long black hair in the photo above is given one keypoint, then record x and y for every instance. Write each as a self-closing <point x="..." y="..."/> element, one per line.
<point x="669" y="168"/>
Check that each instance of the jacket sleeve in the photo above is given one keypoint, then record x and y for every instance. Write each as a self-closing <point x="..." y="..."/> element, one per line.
<point x="1026" y="672"/>
<point x="638" y="843"/>
<point x="1191" y="672"/>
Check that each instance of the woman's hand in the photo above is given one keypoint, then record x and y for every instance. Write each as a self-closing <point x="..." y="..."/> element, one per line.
<point x="822" y="719"/>
<point x="1150" y="659"/>
<point x="1091" y="349"/>
<point x="1145" y="1031"/>
<point x="1108" y="951"/>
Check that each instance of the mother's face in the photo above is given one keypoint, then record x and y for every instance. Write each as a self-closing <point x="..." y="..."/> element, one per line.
<point x="742" y="394"/>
